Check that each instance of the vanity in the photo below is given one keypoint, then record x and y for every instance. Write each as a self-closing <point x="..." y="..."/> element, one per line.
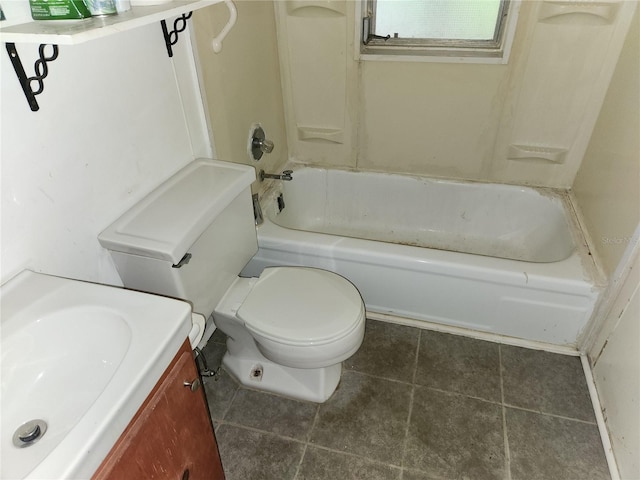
<point x="170" y="435"/>
<point x="99" y="382"/>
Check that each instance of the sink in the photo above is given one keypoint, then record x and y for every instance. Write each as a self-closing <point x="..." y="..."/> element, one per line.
<point x="80" y="358"/>
<point x="71" y="354"/>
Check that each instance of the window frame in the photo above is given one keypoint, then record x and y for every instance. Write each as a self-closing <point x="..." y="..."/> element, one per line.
<point x="496" y="50"/>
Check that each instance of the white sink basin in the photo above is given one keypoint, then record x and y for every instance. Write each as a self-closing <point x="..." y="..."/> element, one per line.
<point x="82" y="358"/>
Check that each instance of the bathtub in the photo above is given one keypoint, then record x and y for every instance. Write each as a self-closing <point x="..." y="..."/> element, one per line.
<point x="501" y="259"/>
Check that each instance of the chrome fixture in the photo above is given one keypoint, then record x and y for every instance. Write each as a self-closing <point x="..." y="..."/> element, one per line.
<point x="29" y="433"/>
<point x="186" y="258"/>
<point x="286" y="175"/>
<point x="193" y="384"/>
<point x="260" y="144"/>
<point x="205" y="371"/>
<point x="257" y="210"/>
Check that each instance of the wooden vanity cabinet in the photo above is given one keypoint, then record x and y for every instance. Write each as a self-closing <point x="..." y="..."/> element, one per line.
<point x="171" y="436"/>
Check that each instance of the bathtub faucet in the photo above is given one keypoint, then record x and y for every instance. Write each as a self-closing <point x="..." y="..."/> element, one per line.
<point x="286" y="175"/>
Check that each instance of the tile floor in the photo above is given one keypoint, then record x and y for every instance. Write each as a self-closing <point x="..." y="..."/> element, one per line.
<point x="415" y="405"/>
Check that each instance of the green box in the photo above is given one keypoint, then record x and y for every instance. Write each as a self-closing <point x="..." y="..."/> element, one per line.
<point x="58" y="9"/>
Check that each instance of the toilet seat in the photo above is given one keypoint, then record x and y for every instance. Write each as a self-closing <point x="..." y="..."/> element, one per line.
<point x="301" y="306"/>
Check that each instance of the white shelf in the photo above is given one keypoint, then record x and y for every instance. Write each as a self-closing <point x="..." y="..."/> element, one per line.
<point x="71" y="32"/>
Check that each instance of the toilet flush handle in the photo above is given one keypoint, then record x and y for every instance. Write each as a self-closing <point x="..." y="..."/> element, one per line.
<point x="183" y="261"/>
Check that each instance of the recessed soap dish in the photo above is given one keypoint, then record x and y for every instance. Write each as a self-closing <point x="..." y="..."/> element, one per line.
<point x="537" y="153"/>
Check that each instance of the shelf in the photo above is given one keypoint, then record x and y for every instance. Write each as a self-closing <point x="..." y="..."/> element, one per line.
<point x="72" y="32"/>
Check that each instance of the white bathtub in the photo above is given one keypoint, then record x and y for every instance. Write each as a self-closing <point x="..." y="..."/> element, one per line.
<point x="428" y="250"/>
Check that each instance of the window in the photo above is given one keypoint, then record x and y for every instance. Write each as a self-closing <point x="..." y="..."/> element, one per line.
<point x="448" y="29"/>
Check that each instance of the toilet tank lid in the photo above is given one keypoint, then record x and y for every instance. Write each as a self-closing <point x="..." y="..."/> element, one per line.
<point x="167" y="222"/>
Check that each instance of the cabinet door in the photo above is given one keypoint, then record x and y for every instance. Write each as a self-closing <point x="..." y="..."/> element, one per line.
<point x="171" y="435"/>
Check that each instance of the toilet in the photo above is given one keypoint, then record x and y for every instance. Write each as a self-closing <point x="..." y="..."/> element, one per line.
<point x="288" y="330"/>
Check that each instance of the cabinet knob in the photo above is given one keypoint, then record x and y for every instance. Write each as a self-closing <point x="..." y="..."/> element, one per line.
<point x="185" y="474"/>
<point x="193" y="385"/>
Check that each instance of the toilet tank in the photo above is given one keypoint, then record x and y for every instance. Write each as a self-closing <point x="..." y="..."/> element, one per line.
<point x="190" y="237"/>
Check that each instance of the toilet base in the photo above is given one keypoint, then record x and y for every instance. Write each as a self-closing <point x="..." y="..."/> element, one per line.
<point x="312" y="384"/>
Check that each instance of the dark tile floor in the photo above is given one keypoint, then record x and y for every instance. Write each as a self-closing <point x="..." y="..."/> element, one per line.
<point x="415" y="405"/>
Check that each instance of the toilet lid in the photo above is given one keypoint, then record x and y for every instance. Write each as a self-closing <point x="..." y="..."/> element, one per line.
<point x="302" y="306"/>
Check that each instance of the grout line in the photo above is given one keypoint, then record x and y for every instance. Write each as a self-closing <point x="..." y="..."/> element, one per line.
<point x="267" y="432"/>
<point x="458" y="394"/>
<point x="507" y="451"/>
<point x="307" y="441"/>
<point x="415" y="362"/>
<point x="304" y="452"/>
<point x="413" y="391"/>
<point x="546" y="414"/>
<point x="233" y="398"/>
<point x="355" y="455"/>
<point x="307" y="444"/>
<point x="439" y="390"/>
<point x="313" y="424"/>
<point x="403" y="382"/>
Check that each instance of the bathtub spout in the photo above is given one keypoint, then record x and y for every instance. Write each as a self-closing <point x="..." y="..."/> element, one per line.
<point x="286" y="175"/>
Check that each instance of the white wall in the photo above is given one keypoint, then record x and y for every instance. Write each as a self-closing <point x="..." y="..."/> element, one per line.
<point x="111" y="126"/>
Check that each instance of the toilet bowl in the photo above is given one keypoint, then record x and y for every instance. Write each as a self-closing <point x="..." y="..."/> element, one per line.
<point x="288" y="330"/>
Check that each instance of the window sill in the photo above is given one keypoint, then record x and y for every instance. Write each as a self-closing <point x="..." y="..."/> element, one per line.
<point x="391" y="57"/>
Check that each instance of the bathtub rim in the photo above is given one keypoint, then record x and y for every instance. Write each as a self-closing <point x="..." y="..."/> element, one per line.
<point x="588" y="257"/>
<point x="570" y="271"/>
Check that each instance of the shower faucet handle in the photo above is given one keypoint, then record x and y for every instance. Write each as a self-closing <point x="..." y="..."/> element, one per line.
<point x="266" y="145"/>
<point x="259" y="144"/>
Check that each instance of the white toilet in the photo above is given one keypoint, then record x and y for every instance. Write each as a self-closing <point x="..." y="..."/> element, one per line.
<point x="289" y="330"/>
